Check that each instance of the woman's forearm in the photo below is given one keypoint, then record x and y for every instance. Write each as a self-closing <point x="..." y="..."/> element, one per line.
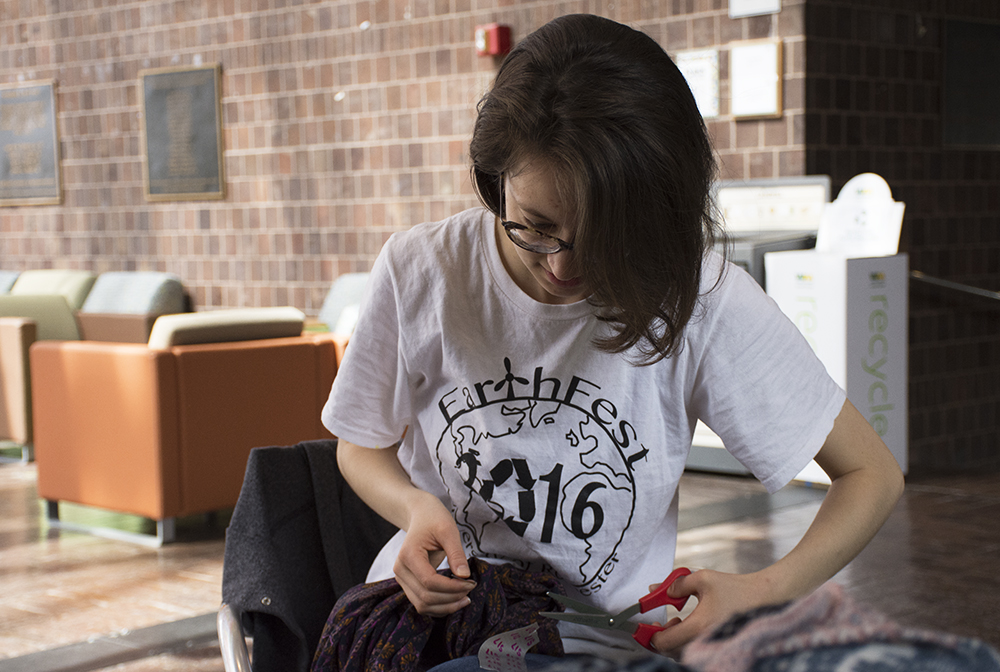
<point x="866" y="484"/>
<point x="378" y="478"/>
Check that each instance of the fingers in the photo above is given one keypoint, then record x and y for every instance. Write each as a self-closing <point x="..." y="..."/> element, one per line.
<point x="719" y="595"/>
<point x="428" y="541"/>
<point x="431" y="593"/>
<point x="678" y="632"/>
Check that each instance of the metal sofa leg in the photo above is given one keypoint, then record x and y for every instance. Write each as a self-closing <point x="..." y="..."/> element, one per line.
<point x="166" y="530"/>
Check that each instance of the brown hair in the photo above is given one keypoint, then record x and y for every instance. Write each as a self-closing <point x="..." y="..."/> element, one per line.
<point x="608" y="109"/>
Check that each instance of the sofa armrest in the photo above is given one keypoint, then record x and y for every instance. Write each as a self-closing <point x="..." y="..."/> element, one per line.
<point x="338" y="341"/>
<point x="115" y="327"/>
<point x="105" y="425"/>
<point x="166" y="432"/>
<point x="16" y="336"/>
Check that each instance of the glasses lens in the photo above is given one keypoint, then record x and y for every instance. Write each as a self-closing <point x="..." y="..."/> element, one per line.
<point x="533" y="241"/>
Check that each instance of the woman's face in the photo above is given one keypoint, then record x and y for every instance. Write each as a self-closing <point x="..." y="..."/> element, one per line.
<point x="532" y="199"/>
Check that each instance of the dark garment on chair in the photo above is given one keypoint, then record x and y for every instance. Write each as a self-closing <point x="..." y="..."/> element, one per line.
<point x="299" y="537"/>
<point x="374" y="628"/>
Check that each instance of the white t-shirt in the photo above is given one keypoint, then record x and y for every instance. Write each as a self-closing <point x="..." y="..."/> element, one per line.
<point x="550" y="453"/>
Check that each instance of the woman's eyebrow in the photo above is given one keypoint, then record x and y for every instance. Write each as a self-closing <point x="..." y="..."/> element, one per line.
<point x="534" y="214"/>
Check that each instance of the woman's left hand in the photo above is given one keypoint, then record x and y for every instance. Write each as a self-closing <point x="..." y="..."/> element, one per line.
<point x="719" y="596"/>
<point x="865" y="483"/>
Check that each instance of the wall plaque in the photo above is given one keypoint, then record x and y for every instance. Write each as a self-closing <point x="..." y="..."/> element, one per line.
<point x="182" y="133"/>
<point x="29" y="146"/>
<point x="755" y="79"/>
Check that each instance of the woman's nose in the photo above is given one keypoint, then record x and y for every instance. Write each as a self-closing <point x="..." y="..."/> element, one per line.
<point x="561" y="265"/>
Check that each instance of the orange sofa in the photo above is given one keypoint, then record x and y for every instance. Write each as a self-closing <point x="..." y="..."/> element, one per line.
<point x="165" y="431"/>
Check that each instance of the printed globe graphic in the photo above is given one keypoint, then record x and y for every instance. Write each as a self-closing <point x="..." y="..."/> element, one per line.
<point x="536" y="478"/>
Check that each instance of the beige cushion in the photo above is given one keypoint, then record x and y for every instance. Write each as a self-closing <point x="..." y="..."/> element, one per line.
<point x="50" y="312"/>
<point x="216" y="326"/>
<point x="73" y="285"/>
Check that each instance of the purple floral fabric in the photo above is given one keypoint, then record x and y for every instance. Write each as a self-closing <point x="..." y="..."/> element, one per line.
<point x="374" y="628"/>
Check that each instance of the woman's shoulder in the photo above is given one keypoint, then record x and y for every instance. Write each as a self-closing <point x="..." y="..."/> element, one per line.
<point x="435" y="252"/>
<point x="730" y="296"/>
<point x="447" y="237"/>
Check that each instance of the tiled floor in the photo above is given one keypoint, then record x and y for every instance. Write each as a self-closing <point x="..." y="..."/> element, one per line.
<point x="935" y="564"/>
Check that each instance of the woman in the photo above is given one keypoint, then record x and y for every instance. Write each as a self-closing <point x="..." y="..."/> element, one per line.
<point x="524" y="380"/>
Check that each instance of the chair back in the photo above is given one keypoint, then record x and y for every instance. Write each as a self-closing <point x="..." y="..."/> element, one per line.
<point x="51" y="312"/>
<point x="71" y="284"/>
<point x="135" y="293"/>
<point x="340" y="307"/>
<point x="7" y="279"/>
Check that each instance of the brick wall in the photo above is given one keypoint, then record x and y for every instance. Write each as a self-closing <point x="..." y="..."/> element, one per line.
<point x="874" y="98"/>
<point x="345" y="121"/>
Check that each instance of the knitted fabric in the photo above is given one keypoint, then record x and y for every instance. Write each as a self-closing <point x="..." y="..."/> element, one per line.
<point x="825" y="631"/>
<point x="374" y="628"/>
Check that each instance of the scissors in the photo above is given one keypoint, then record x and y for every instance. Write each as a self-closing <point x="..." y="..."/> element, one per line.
<point x="641" y="632"/>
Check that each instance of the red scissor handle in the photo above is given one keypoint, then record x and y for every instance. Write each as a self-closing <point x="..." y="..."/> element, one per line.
<point x="644" y="634"/>
<point x="659" y="597"/>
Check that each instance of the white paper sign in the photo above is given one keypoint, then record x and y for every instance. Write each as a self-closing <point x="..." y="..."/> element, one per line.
<point x="864" y="221"/>
<point x="505" y="652"/>
<point x="701" y="70"/>
<point x="755" y="78"/>
<point x="741" y="8"/>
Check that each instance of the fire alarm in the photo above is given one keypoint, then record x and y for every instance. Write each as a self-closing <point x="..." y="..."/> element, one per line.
<point x="492" y="39"/>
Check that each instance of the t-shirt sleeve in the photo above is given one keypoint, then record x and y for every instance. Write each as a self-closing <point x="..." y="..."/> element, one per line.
<point x="368" y="404"/>
<point x="759" y="385"/>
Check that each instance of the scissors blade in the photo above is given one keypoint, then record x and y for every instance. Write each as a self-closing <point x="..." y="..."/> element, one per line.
<point x="623" y="616"/>
<point x="576" y="605"/>
<point x="590" y="620"/>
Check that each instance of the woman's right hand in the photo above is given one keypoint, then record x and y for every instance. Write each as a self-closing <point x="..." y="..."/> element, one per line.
<point x="431" y="536"/>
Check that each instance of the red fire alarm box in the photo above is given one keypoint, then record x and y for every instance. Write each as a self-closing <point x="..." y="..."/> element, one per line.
<point x="492" y="39"/>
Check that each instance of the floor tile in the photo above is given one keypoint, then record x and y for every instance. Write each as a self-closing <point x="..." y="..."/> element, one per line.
<point x="935" y="564"/>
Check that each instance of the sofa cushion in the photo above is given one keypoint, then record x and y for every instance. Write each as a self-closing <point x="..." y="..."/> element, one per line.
<point x="135" y="293"/>
<point x="216" y="326"/>
<point x="73" y="285"/>
<point x="49" y="311"/>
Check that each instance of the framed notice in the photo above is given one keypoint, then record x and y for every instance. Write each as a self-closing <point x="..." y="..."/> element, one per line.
<point x="755" y="78"/>
<point x="182" y="133"/>
<point x="29" y="146"/>
<point x="741" y="8"/>
<point x="701" y="70"/>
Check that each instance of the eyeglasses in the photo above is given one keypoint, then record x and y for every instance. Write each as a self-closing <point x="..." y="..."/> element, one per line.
<point x="528" y="238"/>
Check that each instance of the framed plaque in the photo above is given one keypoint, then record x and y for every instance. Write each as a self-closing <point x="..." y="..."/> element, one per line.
<point x="182" y="133"/>
<point x="29" y="146"/>
<point x="701" y="70"/>
<point x="755" y="73"/>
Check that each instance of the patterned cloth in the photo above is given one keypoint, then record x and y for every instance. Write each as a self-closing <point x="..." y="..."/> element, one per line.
<point x="374" y="628"/>
<point x="828" y="632"/>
